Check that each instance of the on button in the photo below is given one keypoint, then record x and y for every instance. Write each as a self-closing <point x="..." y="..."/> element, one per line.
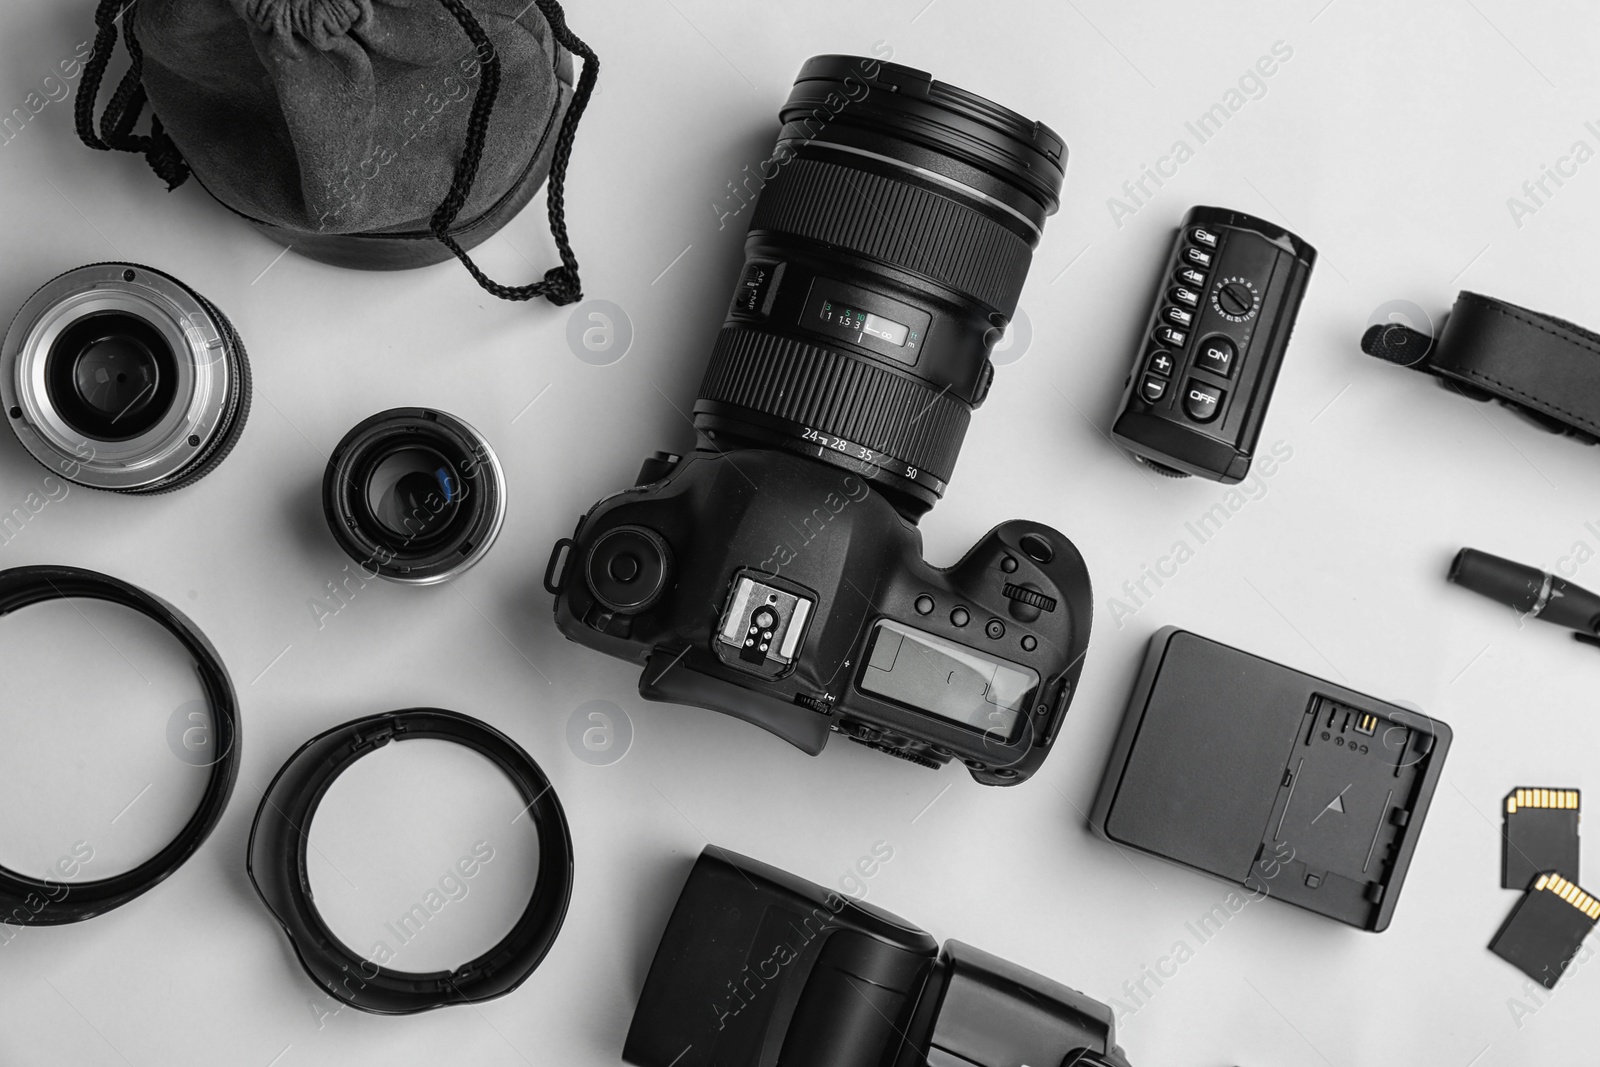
<point x="1201" y="401"/>
<point x="1216" y="356"/>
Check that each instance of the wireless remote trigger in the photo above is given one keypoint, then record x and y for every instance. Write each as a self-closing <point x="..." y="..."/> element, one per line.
<point x="1209" y="357"/>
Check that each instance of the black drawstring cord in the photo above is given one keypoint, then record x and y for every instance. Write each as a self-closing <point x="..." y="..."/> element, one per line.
<point x="560" y="285"/>
<point x="94" y="71"/>
<point x="127" y="103"/>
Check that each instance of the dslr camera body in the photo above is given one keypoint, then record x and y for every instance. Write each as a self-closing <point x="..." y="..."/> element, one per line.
<point x="776" y="573"/>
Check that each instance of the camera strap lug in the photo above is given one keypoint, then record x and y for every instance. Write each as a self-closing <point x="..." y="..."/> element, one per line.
<point x="555" y="571"/>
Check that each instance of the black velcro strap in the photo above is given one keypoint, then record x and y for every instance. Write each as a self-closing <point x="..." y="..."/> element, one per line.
<point x="1546" y="367"/>
<point x="1394" y="342"/>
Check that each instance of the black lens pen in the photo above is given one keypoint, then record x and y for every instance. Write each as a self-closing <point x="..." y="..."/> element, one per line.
<point x="1530" y="591"/>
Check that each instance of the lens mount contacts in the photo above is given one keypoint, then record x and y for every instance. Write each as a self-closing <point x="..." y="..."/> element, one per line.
<point x="120" y="377"/>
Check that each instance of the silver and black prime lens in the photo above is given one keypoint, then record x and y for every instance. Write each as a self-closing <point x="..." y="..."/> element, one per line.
<point x="120" y="377"/>
<point x="414" y="495"/>
<point x="894" y="228"/>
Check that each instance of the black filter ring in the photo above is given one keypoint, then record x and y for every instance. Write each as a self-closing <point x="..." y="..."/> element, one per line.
<point x="984" y="140"/>
<point x="277" y="866"/>
<point x="26" y="901"/>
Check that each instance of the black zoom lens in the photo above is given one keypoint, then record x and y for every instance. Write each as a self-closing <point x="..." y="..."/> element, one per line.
<point x="896" y="222"/>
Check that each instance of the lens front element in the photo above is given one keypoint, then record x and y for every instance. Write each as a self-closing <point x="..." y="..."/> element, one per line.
<point x="414" y="493"/>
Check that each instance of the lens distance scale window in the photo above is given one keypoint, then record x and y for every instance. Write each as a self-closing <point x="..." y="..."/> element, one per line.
<point x="866" y="319"/>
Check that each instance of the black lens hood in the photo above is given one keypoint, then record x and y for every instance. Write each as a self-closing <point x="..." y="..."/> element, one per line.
<point x="26" y="901"/>
<point x="277" y="867"/>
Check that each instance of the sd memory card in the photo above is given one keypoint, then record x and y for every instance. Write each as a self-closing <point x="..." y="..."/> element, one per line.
<point x="1540" y="836"/>
<point x="1546" y="929"/>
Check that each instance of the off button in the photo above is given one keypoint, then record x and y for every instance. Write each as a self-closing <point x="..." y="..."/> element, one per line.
<point x="1201" y="402"/>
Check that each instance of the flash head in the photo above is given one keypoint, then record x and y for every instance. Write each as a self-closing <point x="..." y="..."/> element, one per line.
<point x="758" y="966"/>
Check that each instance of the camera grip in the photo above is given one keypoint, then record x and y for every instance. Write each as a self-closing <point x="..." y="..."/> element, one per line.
<point x="1031" y="582"/>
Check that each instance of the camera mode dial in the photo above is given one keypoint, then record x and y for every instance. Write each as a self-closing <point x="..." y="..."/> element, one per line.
<point x="629" y="568"/>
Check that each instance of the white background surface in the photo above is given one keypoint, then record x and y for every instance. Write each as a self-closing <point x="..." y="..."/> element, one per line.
<point x="1391" y="140"/>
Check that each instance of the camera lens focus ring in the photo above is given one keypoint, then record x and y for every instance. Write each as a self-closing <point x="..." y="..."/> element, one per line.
<point x="897" y="223"/>
<point x="890" y="109"/>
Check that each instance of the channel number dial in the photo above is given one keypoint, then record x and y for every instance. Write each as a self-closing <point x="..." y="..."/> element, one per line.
<point x="1236" y="298"/>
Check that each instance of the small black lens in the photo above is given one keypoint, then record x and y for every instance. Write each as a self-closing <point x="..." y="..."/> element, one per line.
<point x="111" y="376"/>
<point x="414" y="495"/>
<point x="414" y="492"/>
